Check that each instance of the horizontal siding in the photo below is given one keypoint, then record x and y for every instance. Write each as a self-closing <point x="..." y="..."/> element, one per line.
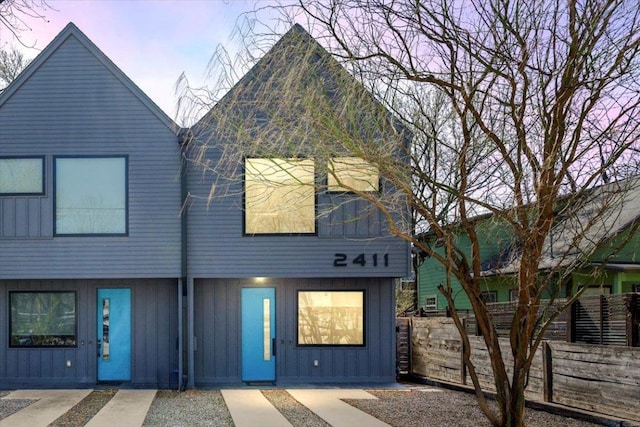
<point x="217" y="330"/>
<point x="73" y="105"/>
<point x="218" y="248"/>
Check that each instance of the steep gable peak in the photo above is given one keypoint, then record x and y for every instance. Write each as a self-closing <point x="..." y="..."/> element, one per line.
<point x="72" y="31"/>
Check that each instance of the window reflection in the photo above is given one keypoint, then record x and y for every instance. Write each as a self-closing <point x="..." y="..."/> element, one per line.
<point x="279" y="196"/>
<point x="331" y="317"/>
<point x="91" y="195"/>
<point x="352" y="174"/>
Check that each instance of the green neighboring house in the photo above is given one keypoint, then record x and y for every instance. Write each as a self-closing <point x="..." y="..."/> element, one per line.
<point x="610" y="246"/>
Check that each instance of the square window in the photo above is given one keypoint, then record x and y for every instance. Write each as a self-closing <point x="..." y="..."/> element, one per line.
<point x="279" y="196"/>
<point x="489" y="296"/>
<point x="43" y="319"/>
<point x="331" y="318"/>
<point x="21" y="176"/>
<point x="352" y="174"/>
<point x="431" y="302"/>
<point x="91" y="196"/>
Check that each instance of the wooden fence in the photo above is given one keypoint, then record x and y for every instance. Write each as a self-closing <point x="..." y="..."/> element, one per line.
<point x="603" y="379"/>
<point x="606" y="320"/>
<point x="598" y="319"/>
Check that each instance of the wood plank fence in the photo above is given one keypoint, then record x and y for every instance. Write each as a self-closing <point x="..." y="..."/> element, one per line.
<point x="603" y="379"/>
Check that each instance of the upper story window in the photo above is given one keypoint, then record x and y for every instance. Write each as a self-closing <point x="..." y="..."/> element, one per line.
<point x="91" y="196"/>
<point x="352" y="174"/>
<point x="279" y="196"/>
<point x="21" y="176"/>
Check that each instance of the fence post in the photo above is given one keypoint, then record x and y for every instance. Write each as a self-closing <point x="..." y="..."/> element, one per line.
<point x="547" y="372"/>
<point x="633" y="314"/>
<point x="571" y="324"/>
<point x="463" y="367"/>
<point x="601" y="319"/>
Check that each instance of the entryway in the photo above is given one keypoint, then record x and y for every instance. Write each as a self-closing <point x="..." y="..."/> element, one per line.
<point x="114" y="334"/>
<point x="258" y="334"/>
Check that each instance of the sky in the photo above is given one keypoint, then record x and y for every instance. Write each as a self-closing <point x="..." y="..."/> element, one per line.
<point x="151" y="41"/>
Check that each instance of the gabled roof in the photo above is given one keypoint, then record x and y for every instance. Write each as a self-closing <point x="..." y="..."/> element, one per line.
<point x="72" y="31"/>
<point x="604" y="212"/>
<point x="295" y="61"/>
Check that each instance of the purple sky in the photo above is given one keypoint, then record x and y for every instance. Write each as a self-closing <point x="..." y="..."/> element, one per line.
<point x="152" y="41"/>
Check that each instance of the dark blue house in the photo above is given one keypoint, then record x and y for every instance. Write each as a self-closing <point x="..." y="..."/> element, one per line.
<point x="116" y="266"/>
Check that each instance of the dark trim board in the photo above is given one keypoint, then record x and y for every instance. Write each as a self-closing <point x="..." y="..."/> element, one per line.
<point x="154" y="337"/>
<point x="217" y="333"/>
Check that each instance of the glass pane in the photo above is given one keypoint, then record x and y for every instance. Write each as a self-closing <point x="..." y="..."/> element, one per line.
<point x="21" y="176"/>
<point x="331" y="317"/>
<point x="352" y="173"/>
<point x="43" y="319"/>
<point x="279" y="196"/>
<point x="105" y="328"/>
<point x="91" y="196"/>
<point x="266" y="317"/>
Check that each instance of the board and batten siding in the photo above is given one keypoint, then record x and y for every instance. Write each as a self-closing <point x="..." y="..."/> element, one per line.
<point x="218" y="335"/>
<point x="154" y="335"/>
<point x="74" y="105"/>
<point x="217" y="246"/>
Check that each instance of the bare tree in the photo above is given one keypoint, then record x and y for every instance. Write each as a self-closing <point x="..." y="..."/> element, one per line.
<point x="13" y="14"/>
<point x="12" y="62"/>
<point x="517" y="111"/>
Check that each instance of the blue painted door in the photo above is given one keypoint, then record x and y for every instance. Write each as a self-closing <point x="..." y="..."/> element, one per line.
<point x="114" y="334"/>
<point x="258" y="334"/>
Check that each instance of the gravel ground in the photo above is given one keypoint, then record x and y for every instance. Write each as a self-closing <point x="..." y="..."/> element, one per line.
<point x="429" y="407"/>
<point x="188" y="408"/>
<point x="84" y="410"/>
<point x="415" y="406"/>
<point x="294" y="411"/>
<point x="11" y="406"/>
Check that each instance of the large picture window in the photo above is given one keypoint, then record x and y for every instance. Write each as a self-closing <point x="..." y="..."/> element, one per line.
<point x="43" y="319"/>
<point x="331" y="318"/>
<point x="279" y="196"/>
<point x="21" y="176"/>
<point x="91" y="195"/>
<point x="352" y="174"/>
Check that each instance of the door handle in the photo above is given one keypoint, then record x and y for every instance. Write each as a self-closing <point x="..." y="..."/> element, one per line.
<point x="273" y="346"/>
<point x="98" y="342"/>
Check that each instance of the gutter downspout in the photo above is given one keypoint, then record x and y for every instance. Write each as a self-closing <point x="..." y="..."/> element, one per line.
<point x="183" y="139"/>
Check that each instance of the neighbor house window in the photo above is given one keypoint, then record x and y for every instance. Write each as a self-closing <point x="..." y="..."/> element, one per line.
<point x="331" y="318"/>
<point x="431" y="302"/>
<point x="43" y="319"/>
<point x="352" y="174"/>
<point x="279" y="196"/>
<point x="21" y="176"/>
<point x="489" y="296"/>
<point x="91" y="195"/>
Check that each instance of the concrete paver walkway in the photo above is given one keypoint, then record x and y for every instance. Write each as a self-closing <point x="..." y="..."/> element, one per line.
<point x="249" y="408"/>
<point x="128" y="408"/>
<point x="51" y="404"/>
<point x="328" y="406"/>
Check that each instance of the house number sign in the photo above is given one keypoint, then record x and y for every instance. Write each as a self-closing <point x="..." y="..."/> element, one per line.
<point x="342" y="260"/>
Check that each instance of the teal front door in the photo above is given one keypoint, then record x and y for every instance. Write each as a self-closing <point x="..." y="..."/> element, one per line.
<point x="114" y="334"/>
<point x="258" y="334"/>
